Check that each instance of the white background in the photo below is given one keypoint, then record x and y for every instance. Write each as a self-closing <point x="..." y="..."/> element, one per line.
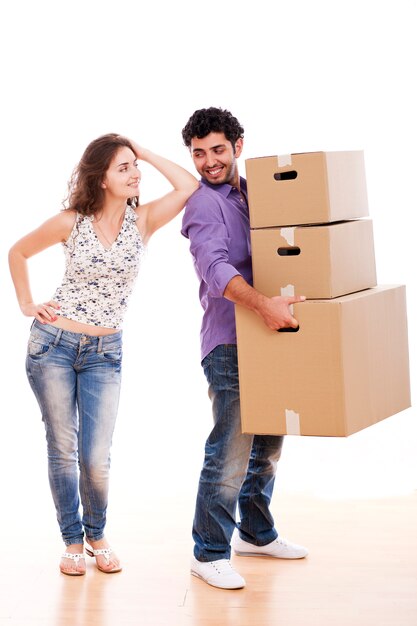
<point x="300" y="76"/>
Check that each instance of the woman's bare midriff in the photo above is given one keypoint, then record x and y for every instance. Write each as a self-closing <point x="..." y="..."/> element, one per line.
<point x="85" y="329"/>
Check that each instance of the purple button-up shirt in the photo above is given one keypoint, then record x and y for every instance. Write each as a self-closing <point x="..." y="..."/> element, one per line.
<point x="216" y="221"/>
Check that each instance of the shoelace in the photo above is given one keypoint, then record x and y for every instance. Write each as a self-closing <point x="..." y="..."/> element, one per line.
<point x="222" y="566"/>
<point x="281" y="541"/>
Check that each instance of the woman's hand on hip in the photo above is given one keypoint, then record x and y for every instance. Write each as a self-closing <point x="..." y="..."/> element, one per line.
<point x="44" y="312"/>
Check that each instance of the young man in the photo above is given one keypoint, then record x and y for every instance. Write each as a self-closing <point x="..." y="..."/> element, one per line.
<point x="239" y="469"/>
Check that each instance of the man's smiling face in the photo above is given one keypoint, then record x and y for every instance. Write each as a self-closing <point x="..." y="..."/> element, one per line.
<point x="215" y="159"/>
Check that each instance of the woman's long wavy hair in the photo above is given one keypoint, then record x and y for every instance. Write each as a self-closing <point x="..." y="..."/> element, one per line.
<point x="85" y="191"/>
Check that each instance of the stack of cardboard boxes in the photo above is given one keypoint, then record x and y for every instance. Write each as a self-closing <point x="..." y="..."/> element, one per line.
<point x="346" y="367"/>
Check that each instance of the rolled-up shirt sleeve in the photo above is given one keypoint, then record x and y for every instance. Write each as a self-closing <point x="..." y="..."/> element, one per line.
<point x="204" y="226"/>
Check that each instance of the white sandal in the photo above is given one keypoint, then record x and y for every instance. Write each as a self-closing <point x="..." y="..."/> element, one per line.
<point x="72" y="557"/>
<point x="106" y="552"/>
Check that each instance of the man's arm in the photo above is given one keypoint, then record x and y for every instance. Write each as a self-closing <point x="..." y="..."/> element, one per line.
<point x="275" y="311"/>
<point x="209" y="239"/>
<point x="203" y="225"/>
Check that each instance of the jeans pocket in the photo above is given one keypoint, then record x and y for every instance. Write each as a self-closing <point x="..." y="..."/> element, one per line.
<point x="114" y="354"/>
<point x="221" y="368"/>
<point x="38" y="347"/>
<point x="207" y="365"/>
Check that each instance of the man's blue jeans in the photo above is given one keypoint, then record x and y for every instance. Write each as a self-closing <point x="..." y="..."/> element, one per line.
<point x="239" y="469"/>
<point x="76" y="380"/>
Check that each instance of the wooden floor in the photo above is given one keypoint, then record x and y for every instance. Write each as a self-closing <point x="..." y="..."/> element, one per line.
<point x="362" y="570"/>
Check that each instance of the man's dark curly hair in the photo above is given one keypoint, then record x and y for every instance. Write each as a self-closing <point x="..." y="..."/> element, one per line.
<point x="212" y="120"/>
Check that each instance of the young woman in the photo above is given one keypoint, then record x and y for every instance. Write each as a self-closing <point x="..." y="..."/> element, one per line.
<point x="75" y="346"/>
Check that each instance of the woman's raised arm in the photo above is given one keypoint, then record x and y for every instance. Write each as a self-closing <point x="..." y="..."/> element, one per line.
<point x="159" y="212"/>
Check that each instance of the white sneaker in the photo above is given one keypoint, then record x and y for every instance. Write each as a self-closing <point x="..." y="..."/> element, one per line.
<point x="280" y="548"/>
<point x="217" y="573"/>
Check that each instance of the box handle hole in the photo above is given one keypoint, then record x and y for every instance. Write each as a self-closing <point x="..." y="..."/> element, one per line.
<point x="289" y="251"/>
<point x="290" y="329"/>
<point x="285" y="175"/>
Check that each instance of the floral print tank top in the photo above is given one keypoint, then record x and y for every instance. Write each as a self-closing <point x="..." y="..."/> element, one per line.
<point x="98" y="281"/>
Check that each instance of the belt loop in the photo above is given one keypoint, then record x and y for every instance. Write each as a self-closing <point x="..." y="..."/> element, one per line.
<point x="58" y="337"/>
<point x="100" y="345"/>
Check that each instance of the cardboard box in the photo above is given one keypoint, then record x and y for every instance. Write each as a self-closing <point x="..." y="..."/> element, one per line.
<point x="323" y="261"/>
<point x="345" y="369"/>
<point x="307" y="188"/>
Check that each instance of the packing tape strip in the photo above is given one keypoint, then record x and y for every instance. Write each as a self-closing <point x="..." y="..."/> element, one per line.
<point x="288" y="292"/>
<point x="292" y="420"/>
<point x="284" y="159"/>
<point x="288" y="234"/>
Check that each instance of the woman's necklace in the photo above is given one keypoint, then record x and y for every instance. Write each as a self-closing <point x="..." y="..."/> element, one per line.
<point x="110" y="243"/>
<point x="103" y="234"/>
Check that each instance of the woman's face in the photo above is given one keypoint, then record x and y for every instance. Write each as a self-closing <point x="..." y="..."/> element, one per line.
<point x="123" y="176"/>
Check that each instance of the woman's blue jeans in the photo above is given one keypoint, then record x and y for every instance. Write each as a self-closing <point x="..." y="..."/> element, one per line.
<point x="239" y="469"/>
<point x="76" y="380"/>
